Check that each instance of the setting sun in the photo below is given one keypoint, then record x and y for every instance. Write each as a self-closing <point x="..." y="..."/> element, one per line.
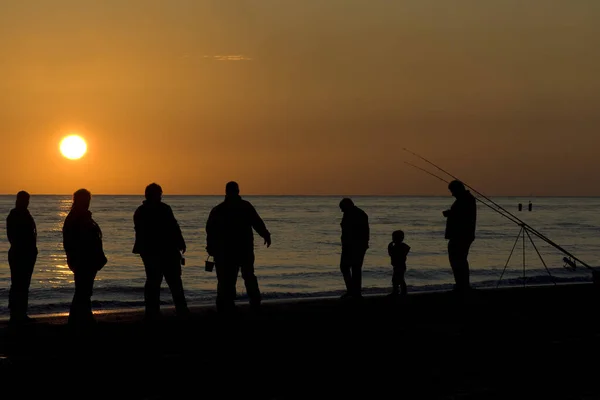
<point x="73" y="147"/>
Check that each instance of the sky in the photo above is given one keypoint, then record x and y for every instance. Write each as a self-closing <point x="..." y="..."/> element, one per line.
<point x="309" y="97"/>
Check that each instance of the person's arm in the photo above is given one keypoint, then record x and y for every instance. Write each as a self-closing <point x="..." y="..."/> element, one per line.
<point x="406" y="251"/>
<point x="68" y="244"/>
<point x="71" y="242"/>
<point x="10" y="229"/>
<point x="210" y="233"/>
<point x="259" y="226"/>
<point x="138" y="232"/>
<point x="34" y="226"/>
<point x="176" y="229"/>
<point x="367" y="229"/>
<point x="405" y="254"/>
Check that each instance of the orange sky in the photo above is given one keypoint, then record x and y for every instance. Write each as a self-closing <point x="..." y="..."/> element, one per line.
<point x="301" y="97"/>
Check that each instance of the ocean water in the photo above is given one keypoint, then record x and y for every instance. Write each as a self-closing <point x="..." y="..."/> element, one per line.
<point x="304" y="257"/>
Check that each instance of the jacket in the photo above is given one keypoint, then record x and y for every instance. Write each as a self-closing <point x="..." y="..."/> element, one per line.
<point x="462" y="218"/>
<point x="157" y="232"/>
<point x="230" y="225"/>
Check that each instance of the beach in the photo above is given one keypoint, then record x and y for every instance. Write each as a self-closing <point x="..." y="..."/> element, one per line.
<point x="495" y="343"/>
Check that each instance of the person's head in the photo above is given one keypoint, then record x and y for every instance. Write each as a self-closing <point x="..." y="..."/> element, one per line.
<point x="398" y="236"/>
<point x="346" y="204"/>
<point x="153" y="192"/>
<point x="456" y="188"/>
<point x="81" y="199"/>
<point x="232" y="189"/>
<point x="22" y="199"/>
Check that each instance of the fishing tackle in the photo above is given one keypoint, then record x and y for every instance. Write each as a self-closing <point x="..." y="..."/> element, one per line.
<point x="570" y="260"/>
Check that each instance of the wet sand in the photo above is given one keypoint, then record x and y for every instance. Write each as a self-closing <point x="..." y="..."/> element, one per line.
<point x="495" y="343"/>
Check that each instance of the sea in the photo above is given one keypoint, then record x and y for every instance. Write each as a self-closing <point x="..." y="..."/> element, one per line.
<point x="303" y="260"/>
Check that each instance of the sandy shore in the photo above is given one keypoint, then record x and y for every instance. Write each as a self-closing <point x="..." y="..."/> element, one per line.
<point x="504" y="343"/>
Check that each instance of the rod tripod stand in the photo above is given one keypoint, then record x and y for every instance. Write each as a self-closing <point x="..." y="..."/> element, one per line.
<point x="522" y="232"/>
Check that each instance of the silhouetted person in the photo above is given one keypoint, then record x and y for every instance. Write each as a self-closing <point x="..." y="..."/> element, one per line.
<point x="461" y="219"/>
<point x="160" y="243"/>
<point x="530" y="206"/>
<point x="22" y="235"/>
<point x="355" y="242"/>
<point x="398" y="251"/>
<point x="82" y="241"/>
<point x="520" y="207"/>
<point x="230" y="240"/>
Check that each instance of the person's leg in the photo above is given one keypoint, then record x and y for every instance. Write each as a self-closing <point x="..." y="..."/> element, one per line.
<point x="88" y="289"/>
<point x="154" y="276"/>
<point x="396" y="278"/>
<point x="20" y="279"/>
<point x="75" y="309"/>
<point x="403" y="288"/>
<point x="81" y="306"/>
<point x="454" y="259"/>
<point x="227" y="273"/>
<point x="463" y="253"/>
<point x="346" y="268"/>
<point x="250" y="281"/>
<point x="28" y="273"/>
<point x="357" y="264"/>
<point x="458" y="251"/>
<point x="172" y="273"/>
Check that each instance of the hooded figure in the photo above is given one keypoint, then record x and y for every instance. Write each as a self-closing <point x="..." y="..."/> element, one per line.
<point x="82" y="241"/>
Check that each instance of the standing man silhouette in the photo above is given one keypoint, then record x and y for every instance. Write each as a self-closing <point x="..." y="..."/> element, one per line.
<point x="160" y="243"/>
<point x="230" y="240"/>
<point x="461" y="219"/>
<point x="22" y="235"/>
<point x="355" y="242"/>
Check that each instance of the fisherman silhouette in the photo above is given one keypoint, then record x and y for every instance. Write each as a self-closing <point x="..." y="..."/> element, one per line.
<point x="230" y="240"/>
<point x="82" y="241"/>
<point x="460" y="231"/>
<point x="355" y="242"/>
<point x="160" y="243"/>
<point x="22" y="235"/>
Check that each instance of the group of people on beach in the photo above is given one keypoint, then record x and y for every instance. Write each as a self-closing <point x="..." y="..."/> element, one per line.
<point x="229" y="240"/>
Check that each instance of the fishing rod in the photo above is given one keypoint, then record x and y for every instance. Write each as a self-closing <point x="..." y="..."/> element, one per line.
<point x="516" y="219"/>
<point x="520" y="222"/>
<point x="523" y="231"/>
<point x="476" y="198"/>
<point x="498" y="208"/>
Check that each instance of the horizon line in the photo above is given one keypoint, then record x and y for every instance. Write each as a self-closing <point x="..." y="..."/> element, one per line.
<point x="301" y="195"/>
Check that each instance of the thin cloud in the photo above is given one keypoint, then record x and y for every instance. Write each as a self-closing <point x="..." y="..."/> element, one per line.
<point x="233" y="57"/>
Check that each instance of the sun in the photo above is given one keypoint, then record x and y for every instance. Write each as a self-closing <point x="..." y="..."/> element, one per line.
<point x="73" y="147"/>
